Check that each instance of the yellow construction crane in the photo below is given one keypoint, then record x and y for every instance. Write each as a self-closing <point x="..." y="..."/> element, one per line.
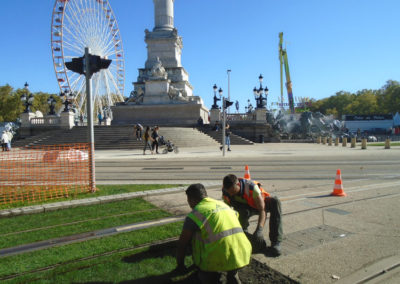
<point x="284" y="62"/>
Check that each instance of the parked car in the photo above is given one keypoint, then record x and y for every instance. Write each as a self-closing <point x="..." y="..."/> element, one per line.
<point x="372" y="139"/>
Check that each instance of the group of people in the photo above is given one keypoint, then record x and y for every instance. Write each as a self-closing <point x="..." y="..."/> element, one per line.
<point x="6" y="137"/>
<point x="151" y="137"/>
<point x="218" y="231"/>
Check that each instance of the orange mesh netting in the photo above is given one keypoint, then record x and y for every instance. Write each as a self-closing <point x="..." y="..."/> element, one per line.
<point x="40" y="173"/>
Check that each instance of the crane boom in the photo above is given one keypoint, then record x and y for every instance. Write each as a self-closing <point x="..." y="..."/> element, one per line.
<point x="284" y="62"/>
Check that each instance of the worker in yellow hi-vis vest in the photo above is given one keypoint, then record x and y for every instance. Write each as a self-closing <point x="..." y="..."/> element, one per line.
<point x="219" y="245"/>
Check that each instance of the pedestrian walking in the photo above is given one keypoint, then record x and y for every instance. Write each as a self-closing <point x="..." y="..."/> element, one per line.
<point x="219" y="245"/>
<point x="249" y="198"/>
<point x="138" y="131"/>
<point x="147" y="141"/>
<point x="155" y="137"/>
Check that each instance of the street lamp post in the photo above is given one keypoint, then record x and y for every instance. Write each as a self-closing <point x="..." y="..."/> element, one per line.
<point x="51" y="101"/>
<point x="249" y="107"/>
<point x="27" y="99"/>
<point x="215" y="105"/>
<point x="258" y="94"/>
<point x="229" y="86"/>
<point x="67" y="98"/>
<point x="220" y="91"/>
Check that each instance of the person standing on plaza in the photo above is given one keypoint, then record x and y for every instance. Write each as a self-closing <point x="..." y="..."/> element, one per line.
<point x="249" y="198"/>
<point x="4" y="141"/>
<point x="138" y="131"/>
<point x="155" y="136"/>
<point x="147" y="141"/>
<point x="219" y="245"/>
<point x="100" y="117"/>
<point x="227" y="137"/>
<point x="10" y="137"/>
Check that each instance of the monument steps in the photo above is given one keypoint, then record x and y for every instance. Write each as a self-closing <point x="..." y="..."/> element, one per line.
<point x="118" y="137"/>
<point x="217" y="136"/>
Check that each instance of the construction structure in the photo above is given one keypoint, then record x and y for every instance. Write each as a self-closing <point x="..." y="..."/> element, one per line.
<point x="283" y="59"/>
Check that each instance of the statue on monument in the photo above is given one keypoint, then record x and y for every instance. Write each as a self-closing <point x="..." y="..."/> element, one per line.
<point x="158" y="71"/>
<point x="176" y="94"/>
<point x="136" y="96"/>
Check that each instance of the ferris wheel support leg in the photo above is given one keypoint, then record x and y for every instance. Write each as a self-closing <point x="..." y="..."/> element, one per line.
<point x="89" y="108"/>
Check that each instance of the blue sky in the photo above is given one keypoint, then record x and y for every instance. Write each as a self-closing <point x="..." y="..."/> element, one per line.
<point x="332" y="45"/>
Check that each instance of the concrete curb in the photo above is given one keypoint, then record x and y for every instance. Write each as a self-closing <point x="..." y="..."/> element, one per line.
<point x="89" y="201"/>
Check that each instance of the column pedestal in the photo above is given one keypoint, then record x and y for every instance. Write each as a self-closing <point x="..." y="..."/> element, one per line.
<point x="261" y="114"/>
<point x="67" y="120"/>
<point x="215" y="115"/>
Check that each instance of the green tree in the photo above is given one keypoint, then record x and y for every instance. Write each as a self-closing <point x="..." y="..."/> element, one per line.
<point x="40" y="103"/>
<point x="365" y="103"/>
<point x="389" y="97"/>
<point x="10" y="104"/>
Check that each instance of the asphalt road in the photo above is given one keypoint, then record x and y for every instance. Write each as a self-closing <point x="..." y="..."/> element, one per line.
<point x="267" y="162"/>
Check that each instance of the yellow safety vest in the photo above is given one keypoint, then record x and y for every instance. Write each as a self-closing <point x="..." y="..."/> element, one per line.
<point x="220" y="245"/>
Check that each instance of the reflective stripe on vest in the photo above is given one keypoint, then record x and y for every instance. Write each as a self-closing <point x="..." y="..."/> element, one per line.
<point x="212" y="237"/>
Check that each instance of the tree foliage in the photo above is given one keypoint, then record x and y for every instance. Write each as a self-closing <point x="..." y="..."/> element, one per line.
<point x="382" y="101"/>
<point x="11" y="105"/>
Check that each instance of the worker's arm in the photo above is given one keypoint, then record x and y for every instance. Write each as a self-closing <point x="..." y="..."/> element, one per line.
<point x="183" y="242"/>
<point x="260" y="205"/>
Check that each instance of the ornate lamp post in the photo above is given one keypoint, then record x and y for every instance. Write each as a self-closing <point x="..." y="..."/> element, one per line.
<point x="249" y="107"/>
<point x="258" y="94"/>
<point x="215" y="105"/>
<point x="51" y="101"/>
<point x="67" y="98"/>
<point x="26" y="99"/>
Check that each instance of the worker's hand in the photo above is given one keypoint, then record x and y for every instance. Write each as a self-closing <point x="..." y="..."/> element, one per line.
<point x="259" y="237"/>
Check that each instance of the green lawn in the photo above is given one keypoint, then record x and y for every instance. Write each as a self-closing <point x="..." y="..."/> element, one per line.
<point x="103" y="190"/>
<point x="116" y="267"/>
<point x="25" y="229"/>
<point x="382" y="144"/>
<point x="108" y="259"/>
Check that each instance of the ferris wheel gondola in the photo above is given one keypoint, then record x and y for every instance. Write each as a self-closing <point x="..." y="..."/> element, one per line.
<point x="77" y="24"/>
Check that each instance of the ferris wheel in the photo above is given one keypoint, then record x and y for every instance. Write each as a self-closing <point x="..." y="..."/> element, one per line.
<point x="77" y="24"/>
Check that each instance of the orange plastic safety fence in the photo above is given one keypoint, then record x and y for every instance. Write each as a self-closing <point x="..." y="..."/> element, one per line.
<point x="45" y="172"/>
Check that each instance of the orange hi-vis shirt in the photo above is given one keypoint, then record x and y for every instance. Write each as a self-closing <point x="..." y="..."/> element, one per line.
<point x="249" y="190"/>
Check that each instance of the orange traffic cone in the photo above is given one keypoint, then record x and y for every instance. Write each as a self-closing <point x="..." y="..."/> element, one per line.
<point x="338" y="188"/>
<point x="246" y="172"/>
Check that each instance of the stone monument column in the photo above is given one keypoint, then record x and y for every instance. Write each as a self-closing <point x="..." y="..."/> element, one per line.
<point x="163" y="14"/>
<point x="162" y="93"/>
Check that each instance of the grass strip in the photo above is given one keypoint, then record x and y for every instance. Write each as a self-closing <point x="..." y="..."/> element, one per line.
<point x="103" y="190"/>
<point x="383" y="144"/>
<point x="141" y="266"/>
<point x="26" y="229"/>
<point x="73" y="252"/>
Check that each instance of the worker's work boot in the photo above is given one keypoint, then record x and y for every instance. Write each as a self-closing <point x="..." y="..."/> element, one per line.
<point x="275" y="249"/>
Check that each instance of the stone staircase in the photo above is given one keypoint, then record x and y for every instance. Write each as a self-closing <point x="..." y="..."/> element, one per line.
<point x="118" y="137"/>
<point x="217" y="136"/>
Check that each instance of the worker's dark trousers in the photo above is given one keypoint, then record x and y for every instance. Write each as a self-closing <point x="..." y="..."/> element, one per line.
<point x="273" y="206"/>
<point x="208" y="277"/>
